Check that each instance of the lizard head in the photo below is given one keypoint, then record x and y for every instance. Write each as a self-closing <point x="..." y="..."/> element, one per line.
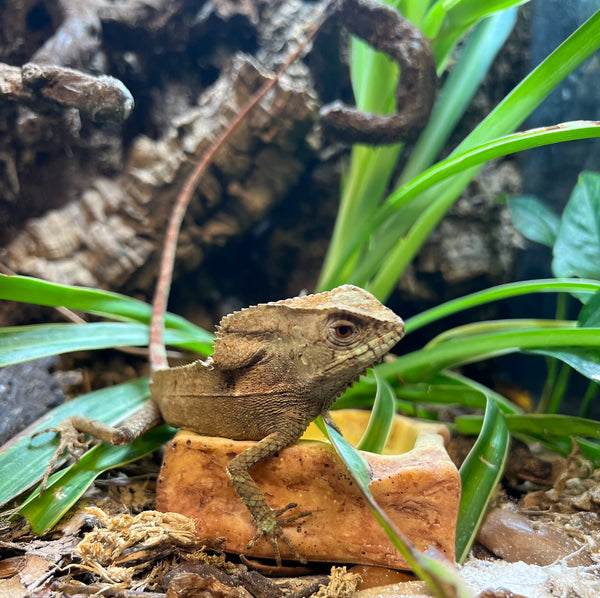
<point x="316" y="345"/>
<point x="351" y="330"/>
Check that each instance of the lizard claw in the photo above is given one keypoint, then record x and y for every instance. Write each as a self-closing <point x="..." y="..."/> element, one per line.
<point x="270" y="526"/>
<point x="71" y="440"/>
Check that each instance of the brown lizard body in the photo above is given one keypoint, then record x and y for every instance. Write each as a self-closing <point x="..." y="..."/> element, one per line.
<point x="275" y="367"/>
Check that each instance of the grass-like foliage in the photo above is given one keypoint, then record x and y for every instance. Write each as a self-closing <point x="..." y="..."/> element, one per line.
<point x="376" y="236"/>
<point x="378" y="233"/>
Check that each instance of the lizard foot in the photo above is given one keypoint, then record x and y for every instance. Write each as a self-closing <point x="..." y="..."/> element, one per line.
<point x="270" y="526"/>
<point x="71" y="440"/>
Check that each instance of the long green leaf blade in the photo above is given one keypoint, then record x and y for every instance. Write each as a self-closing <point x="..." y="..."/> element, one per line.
<point x="381" y="420"/>
<point x="458" y="17"/>
<point x="497" y="293"/>
<point x="506" y="117"/>
<point x="538" y="424"/>
<point x="452" y="166"/>
<point x="23" y="463"/>
<point x="480" y="473"/>
<point x="473" y="63"/>
<point x="443" y="581"/>
<point x="104" y="303"/>
<point x="484" y="152"/>
<point x="23" y="343"/>
<point x="43" y="511"/>
<point x="419" y="365"/>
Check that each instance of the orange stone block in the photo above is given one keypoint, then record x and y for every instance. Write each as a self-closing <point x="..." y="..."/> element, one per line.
<point x="418" y="489"/>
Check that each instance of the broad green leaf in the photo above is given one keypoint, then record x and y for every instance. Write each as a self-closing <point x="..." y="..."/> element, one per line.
<point x="94" y="301"/>
<point x="382" y="418"/>
<point x="23" y="343"/>
<point x="590" y="312"/>
<point x="586" y="360"/>
<point x="480" y="473"/>
<point x="577" y="247"/>
<point x="534" y="220"/>
<point x="43" y="511"/>
<point x="23" y="463"/>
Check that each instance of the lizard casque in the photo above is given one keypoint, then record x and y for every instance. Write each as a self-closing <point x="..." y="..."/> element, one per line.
<point x="275" y="367"/>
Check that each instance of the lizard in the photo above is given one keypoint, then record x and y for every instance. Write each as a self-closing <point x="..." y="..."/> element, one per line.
<point x="275" y="367"/>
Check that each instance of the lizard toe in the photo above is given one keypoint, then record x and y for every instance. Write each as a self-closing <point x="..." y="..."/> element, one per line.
<point x="271" y="528"/>
<point x="70" y="440"/>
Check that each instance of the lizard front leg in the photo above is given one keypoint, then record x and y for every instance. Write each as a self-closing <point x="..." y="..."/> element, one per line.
<point x="268" y="521"/>
<point x="72" y="431"/>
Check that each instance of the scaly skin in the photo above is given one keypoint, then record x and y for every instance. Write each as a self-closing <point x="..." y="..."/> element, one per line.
<point x="276" y="366"/>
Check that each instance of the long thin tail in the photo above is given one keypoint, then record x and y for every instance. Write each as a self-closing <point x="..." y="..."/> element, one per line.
<point x="158" y="354"/>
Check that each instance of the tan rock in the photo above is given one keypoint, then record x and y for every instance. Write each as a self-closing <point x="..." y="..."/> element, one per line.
<point x="419" y="490"/>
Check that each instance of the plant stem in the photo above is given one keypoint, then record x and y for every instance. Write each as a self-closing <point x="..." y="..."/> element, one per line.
<point x="548" y="396"/>
<point x="589" y="395"/>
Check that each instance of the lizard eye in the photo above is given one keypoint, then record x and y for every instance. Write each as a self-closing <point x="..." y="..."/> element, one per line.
<point x="342" y="332"/>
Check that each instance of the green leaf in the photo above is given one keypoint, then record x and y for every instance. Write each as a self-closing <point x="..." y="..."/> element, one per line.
<point x="473" y="63"/>
<point x="441" y="578"/>
<point x="502" y="403"/>
<point x="22" y="464"/>
<point x="382" y="418"/>
<point x="43" y="511"/>
<point x="589" y="315"/>
<point x="479" y="330"/>
<point x="538" y="424"/>
<point x="534" y="220"/>
<point x="480" y="473"/>
<point x="93" y="301"/>
<point x="590" y="450"/>
<point x="507" y="115"/>
<point x="504" y="291"/>
<point x="577" y="247"/>
<point x="586" y="360"/>
<point x="353" y="459"/>
<point x="420" y="365"/>
<point x="441" y="394"/>
<point x="23" y="343"/>
<point x="460" y="15"/>
<point x="415" y="191"/>
<point x="374" y="80"/>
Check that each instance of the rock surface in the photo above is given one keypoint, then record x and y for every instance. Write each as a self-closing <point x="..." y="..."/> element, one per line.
<point x="419" y="490"/>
